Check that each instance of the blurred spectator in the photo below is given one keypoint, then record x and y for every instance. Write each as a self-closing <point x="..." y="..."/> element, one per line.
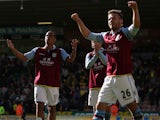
<point x="2" y="110"/>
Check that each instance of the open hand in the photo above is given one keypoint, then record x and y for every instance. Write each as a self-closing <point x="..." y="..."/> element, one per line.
<point x="10" y="44"/>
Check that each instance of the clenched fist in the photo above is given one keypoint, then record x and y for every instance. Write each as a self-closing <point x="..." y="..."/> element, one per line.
<point x="75" y="17"/>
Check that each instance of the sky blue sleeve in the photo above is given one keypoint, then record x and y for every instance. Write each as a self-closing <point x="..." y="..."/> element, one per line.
<point x="64" y="54"/>
<point x="90" y="61"/>
<point x="102" y="57"/>
<point x="95" y="37"/>
<point x="130" y="31"/>
<point x="30" y="54"/>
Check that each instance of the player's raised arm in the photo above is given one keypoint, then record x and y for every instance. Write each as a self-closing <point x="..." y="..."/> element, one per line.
<point x="72" y="56"/>
<point x="136" y="17"/>
<point x="82" y="27"/>
<point x="17" y="53"/>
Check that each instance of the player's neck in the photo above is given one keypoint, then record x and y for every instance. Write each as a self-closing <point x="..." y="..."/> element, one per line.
<point x="48" y="47"/>
<point x="113" y="31"/>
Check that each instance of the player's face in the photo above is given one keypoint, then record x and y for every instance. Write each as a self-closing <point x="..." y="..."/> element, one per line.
<point x="114" y="21"/>
<point x="50" y="38"/>
<point x="96" y="45"/>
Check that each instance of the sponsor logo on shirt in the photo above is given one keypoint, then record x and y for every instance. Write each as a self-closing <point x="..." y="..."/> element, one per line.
<point x="98" y="66"/>
<point x="46" y="62"/>
<point x="112" y="48"/>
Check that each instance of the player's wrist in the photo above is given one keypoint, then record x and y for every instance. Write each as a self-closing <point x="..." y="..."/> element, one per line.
<point x="74" y="49"/>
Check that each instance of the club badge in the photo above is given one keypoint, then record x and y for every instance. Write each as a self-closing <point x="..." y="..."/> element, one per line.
<point x="118" y="37"/>
<point x="54" y="55"/>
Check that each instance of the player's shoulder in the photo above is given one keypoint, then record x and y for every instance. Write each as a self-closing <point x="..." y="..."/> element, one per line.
<point x="124" y="29"/>
<point x="35" y="49"/>
<point x="104" y="33"/>
<point x="61" y="49"/>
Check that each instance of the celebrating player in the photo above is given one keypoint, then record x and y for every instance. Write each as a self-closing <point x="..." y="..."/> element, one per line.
<point x="47" y="72"/>
<point x="119" y="83"/>
<point x="96" y="62"/>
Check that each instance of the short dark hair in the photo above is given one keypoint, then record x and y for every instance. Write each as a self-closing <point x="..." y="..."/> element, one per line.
<point x="119" y="12"/>
<point x="50" y="31"/>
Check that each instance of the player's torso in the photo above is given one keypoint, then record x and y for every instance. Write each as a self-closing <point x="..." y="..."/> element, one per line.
<point x="47" y="66"/>
<point x="118" y="49"/>
<point x="97" y="73"/>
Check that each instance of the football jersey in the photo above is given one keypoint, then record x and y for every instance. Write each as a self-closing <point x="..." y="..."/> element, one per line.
<point x="118" y="49"/>
<point x="97" y="73"/>
<point x="47" y="67"/>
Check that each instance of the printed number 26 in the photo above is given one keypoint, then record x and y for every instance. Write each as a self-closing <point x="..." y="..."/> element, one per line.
<point x="126" y="93"/>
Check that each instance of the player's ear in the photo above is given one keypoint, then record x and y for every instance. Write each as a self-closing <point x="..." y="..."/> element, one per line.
<point x="121" y="22"/>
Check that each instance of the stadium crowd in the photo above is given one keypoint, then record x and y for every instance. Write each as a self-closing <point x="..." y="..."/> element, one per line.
<point x="16" y="82"/>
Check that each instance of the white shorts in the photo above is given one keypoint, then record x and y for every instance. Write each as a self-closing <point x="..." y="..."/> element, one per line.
<point x="121" y="88"/>
<point x="93" y="96"/>
<point x="48" y="95"/>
